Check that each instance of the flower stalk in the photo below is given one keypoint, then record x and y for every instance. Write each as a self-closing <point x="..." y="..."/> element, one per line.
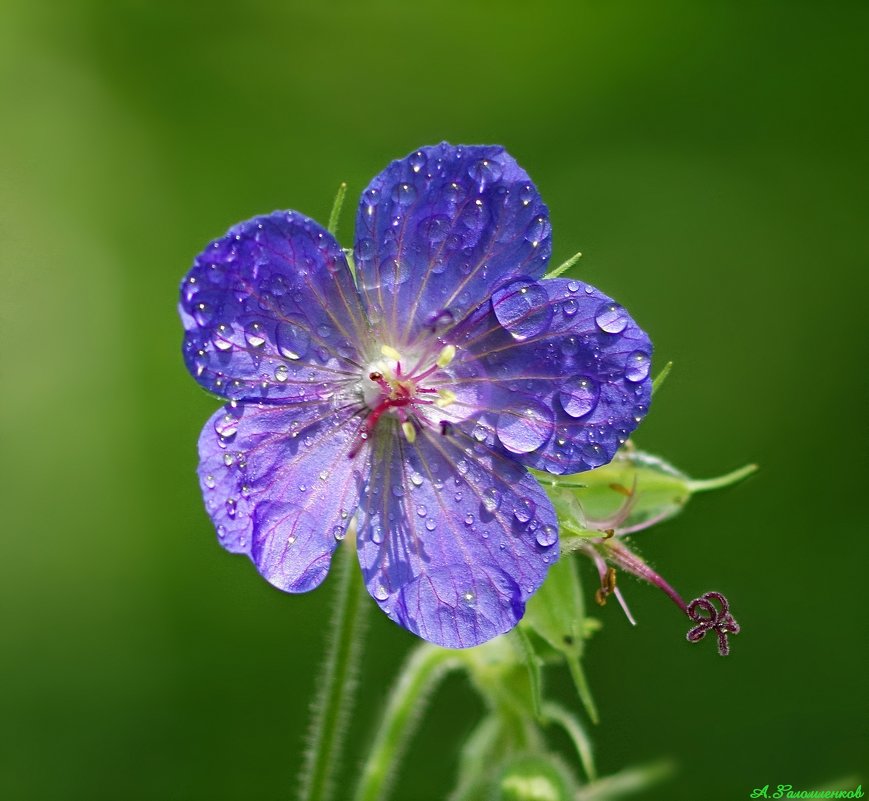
<point x="423" y="671"/>
<point x="336" y="694"/>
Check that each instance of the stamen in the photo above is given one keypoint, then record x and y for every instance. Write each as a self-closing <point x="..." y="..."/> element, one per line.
<point x="445" y="398"/>
<point x="409" y="431"/>
<point x="446" y="355"/>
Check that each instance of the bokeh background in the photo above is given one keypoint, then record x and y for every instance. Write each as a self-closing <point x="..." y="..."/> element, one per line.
<point x="710" y="161"/>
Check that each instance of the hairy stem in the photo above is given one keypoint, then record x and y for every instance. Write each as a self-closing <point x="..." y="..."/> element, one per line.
<point x="422" y="672"/>
<point x="336" y="694"/>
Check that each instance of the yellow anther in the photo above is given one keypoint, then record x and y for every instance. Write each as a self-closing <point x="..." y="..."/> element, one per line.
<point x="446" y="355"/>
<point x="390" y="353"/>
<point x="445" y="398"/>
<point x="409" y="431"/>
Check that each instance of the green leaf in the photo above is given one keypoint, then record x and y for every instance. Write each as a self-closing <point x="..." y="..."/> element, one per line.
<point x="556" y="613"/>
<point x="532" y="662"/>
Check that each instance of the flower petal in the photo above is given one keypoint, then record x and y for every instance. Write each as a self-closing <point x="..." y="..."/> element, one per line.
<point x="566" y="370"/>
<point x="269" y="308"/>
<point x="453" y="536"/>
<point x="279" y="486"/>
<point x="438" y="230"/>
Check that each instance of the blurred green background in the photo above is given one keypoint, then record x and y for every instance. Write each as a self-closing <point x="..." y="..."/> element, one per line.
<point x="708" y="158"/>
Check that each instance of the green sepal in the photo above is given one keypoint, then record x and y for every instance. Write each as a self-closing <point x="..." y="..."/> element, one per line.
<point x="649" y="488"/>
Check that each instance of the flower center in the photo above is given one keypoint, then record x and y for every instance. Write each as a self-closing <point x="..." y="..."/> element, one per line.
<point x="404" y="387"/>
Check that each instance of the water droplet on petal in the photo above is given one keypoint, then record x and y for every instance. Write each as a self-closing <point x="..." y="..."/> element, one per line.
<point x="339" y="532"/>
<point x="525" y="428"/>
<point x="547" y="535"/>
<point x="210" y="482"/>
<point x="404" y="193"/>
<point x="281" y="373"/>
<point x="469" y="519"/>
<point x="594" y="455"/>
<point x="381" y="593"/>
<point x="221" y="531"/>
<point x="255" y="334"/>
<point x="569" y="307"/>
<point x="611" y="318"/>
<point x="522" y="307"/>
<point x="226" y="425"/>
<point x="421" y="510"/>
<point x="491" y="499"/>
<point x="526" y="194"/>
<point x="485" y="171"/>
<point x="637" y="366"/>
<point x="538" y="230"/>
<point x="231" y="507"/>
<point x="292" y="340"/>
<point x="524" y="510"/>
<point x="435" y="228"/>
<point x="430" y="524"/>
<point x="579" y="395"/>
<point x="417" y="160"/>
<point x="222" y="337"/>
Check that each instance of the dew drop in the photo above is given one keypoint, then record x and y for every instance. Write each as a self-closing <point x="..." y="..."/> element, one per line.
<point x="594" y="454"/>
<point x="469" y="519"/>
<point x="404" y="193"/>
<point x="537" y="231"/>
<point x="611" y="318"/>
<point x="210" y="482"/>
<point x="381" y="593"/>
<point x="254" y="334"/>
<point x="491" y="499"/>
<point x="430" y="524"/>
<point x="485" y="171"/>
<point x="417" y="160"/>
<point x="525" y="428"/>
<point x="292" y="340"/>
<point x="226" y="426"/>
<point x="221" y="531"/>
<point x="524" y="510"/>
<point x="228" y="459"/>
<point x="546" y="535"/>
<point x="579" y="395"/>
<point x="522" y="308"/>
<point x="526" y="194"/>
<point x="569" y="307"/>
<point x="221" y="337"/>
<point x="281" y="373"/>
<point x="435" y="229"/>
<point x="231" y="508"/>
<point x="637" y="366"/>
<point x="421" y="510"/>
<point x="339" y="532"/>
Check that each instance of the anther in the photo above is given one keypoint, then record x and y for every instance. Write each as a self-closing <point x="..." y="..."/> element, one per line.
<point x="446" y="355"/>
<point x="445" y="398"/>
<point x="409" y="431"/>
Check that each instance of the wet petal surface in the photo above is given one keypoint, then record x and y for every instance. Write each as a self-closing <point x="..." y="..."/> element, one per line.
<point x="279" y="486"/>
<point x="269" y="309"/>
<point x="437" y="231"/>
<point x="566" y="370"/>
<point x="453" y="537"/>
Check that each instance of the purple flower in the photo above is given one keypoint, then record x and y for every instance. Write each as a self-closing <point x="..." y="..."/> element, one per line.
<point x="414" y="397"/>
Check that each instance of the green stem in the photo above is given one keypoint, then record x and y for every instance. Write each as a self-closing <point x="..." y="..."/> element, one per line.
<point x="335" y="696"/>
<point x="424" y="669"/>
<point x="335" y="214"/>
